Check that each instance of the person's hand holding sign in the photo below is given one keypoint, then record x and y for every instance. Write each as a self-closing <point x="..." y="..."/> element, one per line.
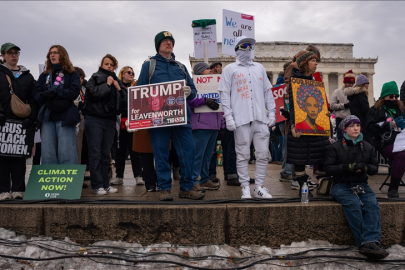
<point x="295" y="134"/>
<point x="187" y="90"/>
<point x="212" y="103"/>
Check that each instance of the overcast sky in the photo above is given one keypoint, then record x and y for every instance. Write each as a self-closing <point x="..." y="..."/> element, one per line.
<point x="89" y="30"/>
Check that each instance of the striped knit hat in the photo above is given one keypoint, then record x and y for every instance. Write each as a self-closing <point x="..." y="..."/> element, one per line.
<point x="200" y="67"/>
<point x="348" y="121"/>
<point x="303" y="57"/>
<point x="314" y="49"/>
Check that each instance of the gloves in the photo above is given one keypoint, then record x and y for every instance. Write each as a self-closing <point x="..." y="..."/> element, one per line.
<point x="212" y="103"/>
<point x="47" y="95"/>
<point x="187" y="90"/>
<point x="285" y="113"/>
<point x="272" y="121"/>
<point x="2" y="119"/>
<point x="130" y="131"/>
<point x="295" y="134"/>
<point x="349" y="168"/>
<point x="399" y="121"/>
<point x="27" y="123"/>
<point x="360" y="166"/>
<point x="221" y="134"/>
<point x="346" y="105"/>
<point x="230" y="125"/>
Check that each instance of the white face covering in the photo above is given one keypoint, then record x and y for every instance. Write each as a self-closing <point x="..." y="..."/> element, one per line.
<point x="244" y="56"/>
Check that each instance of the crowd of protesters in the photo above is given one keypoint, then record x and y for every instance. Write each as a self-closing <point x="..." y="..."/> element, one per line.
<point x="81" y="120"/>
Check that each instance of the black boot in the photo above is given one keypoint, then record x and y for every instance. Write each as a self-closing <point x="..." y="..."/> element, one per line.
<point x="393" y="189"/>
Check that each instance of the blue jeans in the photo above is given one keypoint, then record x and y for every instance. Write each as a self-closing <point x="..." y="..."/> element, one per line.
<point x="183" y="142"/>
<point x="213" y="162"/>
<point x="100" y="135"/>
<point x="274" y="151"/>
<point x="204" y="140"/>
<point x="364" y="221"/>
<point x="229" y="154"/>
<point x="58" y="143"/>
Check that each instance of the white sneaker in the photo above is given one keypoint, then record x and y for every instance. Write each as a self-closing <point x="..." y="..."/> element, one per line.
<point x="295" y="185"/>
<point x="111" y="189"/>
<point x="311" y="185"/>
<point x="99" y="191"/>
<point x="139" y="181"/>
<point x="262" y="192"/>
<point x="5" y="196"/>
<point x="17" y="195"/>
<point x="117" y="181"/>
<point x="246" y="193"/>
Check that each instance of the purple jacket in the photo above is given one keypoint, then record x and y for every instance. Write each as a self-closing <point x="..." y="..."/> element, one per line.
<point x="212" y="120"/>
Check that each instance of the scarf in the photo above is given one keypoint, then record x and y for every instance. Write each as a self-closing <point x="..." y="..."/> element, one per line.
<point x="391" y="107"/>
<point x="112" y="103"/>
<point x="358" y="139"/>
<point x="244" y="56"/>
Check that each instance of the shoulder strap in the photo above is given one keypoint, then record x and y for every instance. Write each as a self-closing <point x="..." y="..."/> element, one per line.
<point x="11" y="85"/>
<point x="182" y="68"/>
<point x="152" y="66"/>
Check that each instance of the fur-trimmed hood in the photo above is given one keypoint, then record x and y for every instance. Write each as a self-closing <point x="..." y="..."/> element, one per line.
<point x="355" y="90"/>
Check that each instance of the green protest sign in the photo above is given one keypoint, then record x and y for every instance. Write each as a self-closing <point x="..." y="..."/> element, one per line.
<point x="55" y="182"/>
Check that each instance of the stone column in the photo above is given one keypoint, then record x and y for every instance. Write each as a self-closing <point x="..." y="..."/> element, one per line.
<point x="340" y="79"/>
<point x="274" y="80"/>
<point x="370" y="89"/>
<point x="325" y="79"/>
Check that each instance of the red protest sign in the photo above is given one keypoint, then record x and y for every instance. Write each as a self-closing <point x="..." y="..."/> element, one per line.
<point x="278" y="94"/>
<point x="157" y="105"/>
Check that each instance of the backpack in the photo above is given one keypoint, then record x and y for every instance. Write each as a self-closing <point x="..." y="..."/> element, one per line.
<point x="152" y="67"/>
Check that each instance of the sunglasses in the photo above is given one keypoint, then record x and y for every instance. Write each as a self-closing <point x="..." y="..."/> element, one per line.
<point x="244" y="47"/>
<point x="393" y="96"/>
<point x="131" y="73"/>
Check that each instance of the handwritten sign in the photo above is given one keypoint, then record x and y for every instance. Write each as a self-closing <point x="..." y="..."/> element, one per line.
<point x="208" y="34"/>
<point x="278" y="94"/>
<point x="157" y="105"/>
<point x="235" y="24"/>
<point x="207" y="86"/>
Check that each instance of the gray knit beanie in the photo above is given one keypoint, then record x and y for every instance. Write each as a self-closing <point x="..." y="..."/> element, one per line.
<point x="200" y="67"/>
<point x="361" y="79"/>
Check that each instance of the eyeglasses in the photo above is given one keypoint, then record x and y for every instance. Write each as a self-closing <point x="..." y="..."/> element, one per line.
<point x="393" y="96"/>
<point x="244" y="46"/>
<point x="131" y="73"/>
<point x="167" y="40"/>
<point x="13" y="53"/>
<point x="53" y="53"/>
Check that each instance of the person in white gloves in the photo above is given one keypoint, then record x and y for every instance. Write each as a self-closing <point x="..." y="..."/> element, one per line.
<point x="249" y="111"/>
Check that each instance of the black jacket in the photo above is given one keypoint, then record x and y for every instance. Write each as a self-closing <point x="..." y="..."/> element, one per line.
<point x="377" y="125"/>
<point x="359" y="106"/>
<point x="23" y="87"/>
<point x="101" y="100"/>
<point x="402" y="92"/>
<point x="337" y="159"/>
<point x="305" y="150"/>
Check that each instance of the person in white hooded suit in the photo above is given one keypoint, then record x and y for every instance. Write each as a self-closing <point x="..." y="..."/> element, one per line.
<point x="245" y="95"/>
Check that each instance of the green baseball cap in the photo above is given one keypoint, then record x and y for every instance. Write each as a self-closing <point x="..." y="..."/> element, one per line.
<point x="7" y="46"/>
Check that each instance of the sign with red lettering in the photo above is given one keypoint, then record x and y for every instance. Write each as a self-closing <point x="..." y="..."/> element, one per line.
<point x="157" y="105"/>
<point x="207" y="86"/>
<point x="278" y="94"/>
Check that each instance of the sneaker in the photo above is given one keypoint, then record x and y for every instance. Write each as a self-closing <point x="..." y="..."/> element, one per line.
<point x="392" y="193"/>
<point x="198" y="188"/>
<point x="191" y="194"/>
<point x="285" y="177"/>
<point x="117" y="181"/>
<point x="311" y="185"/>
<point x="139" y="181"/>
<point x="99" y="191"/>
<point x="165" y="195"/>
<point x="295" y="185"/>
<point x="373" y="251"/>
<point x="233" y="180"/>
<point x="214" y="178"/>
<point x="111" y="189"/>
<point x="209" y="185"/>
<point x="152" y="189"/>
<point x="246" y="193"/>
<point x="176" y="173"/>
<point x="5" y="196"/>
<point x="262" y="192"/>
<point x="17" y="195"/>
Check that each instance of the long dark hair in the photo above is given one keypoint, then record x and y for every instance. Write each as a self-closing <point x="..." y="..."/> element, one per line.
<point x="380" y="103"/>
<point x="64" y="60"/>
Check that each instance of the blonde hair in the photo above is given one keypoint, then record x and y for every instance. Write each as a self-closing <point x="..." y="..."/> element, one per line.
<point x="121" y="74"/>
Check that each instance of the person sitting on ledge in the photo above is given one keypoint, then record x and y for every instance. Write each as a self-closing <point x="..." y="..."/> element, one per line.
<point x="350" y="161"/>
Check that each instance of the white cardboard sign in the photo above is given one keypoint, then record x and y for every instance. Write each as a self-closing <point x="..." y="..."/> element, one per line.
<point x="209" y="34"/>
<point x="207" y="86"/>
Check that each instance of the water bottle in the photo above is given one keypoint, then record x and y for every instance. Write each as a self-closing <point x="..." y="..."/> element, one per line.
<point x="304" y="193"/>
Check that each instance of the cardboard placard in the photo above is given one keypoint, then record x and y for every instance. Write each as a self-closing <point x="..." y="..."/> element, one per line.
<point x="15" y="141"/>
<point x="278" y="95"/>
<point x="55" y="182"/>
<point x="207" y="86"/>
<point x="208" y="33"/>
<point x="234" y="25"/>
<point x="157" y="105"/>
<point x="310" y="107"/>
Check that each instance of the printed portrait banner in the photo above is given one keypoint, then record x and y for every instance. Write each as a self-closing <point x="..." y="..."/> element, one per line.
<point x="55" y="182"/>
<point x="235" y="24"/>
<point x="15" y="141"/>
<point x="207" y="86"/>
<point x="278" y="94"/>
<point x="157" y="105"/>
<point x="208" y="33"/>
<point x="310" y="107"/>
